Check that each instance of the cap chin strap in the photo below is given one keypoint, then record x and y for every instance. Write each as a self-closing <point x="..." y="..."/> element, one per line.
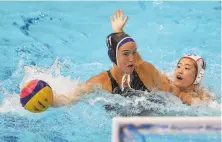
<point x="126" y="77"/>
<point x="200" y="75"/>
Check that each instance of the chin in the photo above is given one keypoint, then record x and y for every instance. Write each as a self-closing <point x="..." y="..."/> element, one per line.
<point x="128" y="71"/>
<point x="181" y="85"/>
<point x="178" y="84"/>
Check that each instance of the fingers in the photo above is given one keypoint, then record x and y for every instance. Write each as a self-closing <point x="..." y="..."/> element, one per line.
<point x="125" y="20"/>
<point x="111" y="19"/>
<point x="188" y="99"/>
<point x="182" y="95"/>
<point x="185" y="98"/>
<point x="118" y="14"/>
<point x="114" y="16"/>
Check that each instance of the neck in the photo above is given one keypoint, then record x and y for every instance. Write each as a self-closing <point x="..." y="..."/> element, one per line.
<point x="188" y="89"/>
<point x="117" y="74"/>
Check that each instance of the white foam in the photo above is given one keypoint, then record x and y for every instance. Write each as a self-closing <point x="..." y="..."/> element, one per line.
<point x="52" y="75"/>
<point x="59" y="84"/>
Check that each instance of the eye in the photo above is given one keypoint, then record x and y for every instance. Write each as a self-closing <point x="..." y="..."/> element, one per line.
<point x="187" y="68"/>
<point x="126" y="54"/>
<point x="178" y="66"/>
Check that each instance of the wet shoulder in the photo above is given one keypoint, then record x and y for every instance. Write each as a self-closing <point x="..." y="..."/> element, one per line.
<point x="145" y="69"/>
<point x="103" y="80"/>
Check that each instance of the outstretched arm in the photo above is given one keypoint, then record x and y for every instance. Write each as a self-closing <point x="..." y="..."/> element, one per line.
<point x="95" y="83"/>
<point x="70" y="98"/>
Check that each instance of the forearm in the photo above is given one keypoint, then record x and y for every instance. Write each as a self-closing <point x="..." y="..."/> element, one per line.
<point x="71" y="98"/>
<point x="163" y="82"/>
<point x="62" y="100"/>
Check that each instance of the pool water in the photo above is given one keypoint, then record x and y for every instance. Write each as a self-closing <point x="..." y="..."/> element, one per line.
<point x="63" y="43"/>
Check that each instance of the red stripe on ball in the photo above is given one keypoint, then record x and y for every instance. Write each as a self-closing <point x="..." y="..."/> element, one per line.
<point x="29" y="88"/>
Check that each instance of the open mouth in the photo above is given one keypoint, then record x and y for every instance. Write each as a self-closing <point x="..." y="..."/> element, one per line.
<point x="179" y="77"/>
<point x="130" y="66"/>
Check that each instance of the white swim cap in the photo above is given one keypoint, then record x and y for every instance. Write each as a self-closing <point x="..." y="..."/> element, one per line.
<point x="201" y="66"/>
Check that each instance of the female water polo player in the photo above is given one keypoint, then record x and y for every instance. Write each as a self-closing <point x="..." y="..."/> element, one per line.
<point x="188" y="74"/>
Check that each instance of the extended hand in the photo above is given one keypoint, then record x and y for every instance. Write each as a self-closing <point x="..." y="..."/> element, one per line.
<point x="117" y="20"/>
<point x="185" y="98"/>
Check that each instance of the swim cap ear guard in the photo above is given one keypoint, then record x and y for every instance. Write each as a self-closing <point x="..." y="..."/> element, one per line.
<point x="201" y="66"/>
<point x="112" y="55"/>
<point x="110" y="44"/>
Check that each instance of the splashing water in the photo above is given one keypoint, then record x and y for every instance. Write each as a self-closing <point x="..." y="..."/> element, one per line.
<point x="60" y="84"/>
<point x="52" y="76"/>
<point x="152" y="104"/>
<point x="142" y="103"/>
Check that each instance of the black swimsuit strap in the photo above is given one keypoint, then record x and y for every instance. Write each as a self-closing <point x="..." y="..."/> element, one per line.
<point x="112" y="80"/>
<point x="136" y="83"/>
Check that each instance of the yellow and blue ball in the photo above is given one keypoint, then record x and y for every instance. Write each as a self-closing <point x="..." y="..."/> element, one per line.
<point x="36" y="96"/>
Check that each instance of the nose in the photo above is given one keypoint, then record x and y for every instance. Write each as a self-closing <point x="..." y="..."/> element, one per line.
<point x="180" y="71"/>
<point x="131" y="57"/>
